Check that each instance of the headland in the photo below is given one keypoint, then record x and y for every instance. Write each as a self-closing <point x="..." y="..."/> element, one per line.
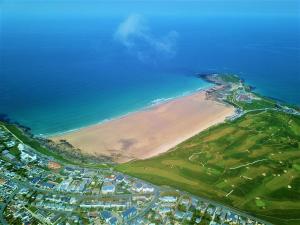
<point x="151" y="131"/>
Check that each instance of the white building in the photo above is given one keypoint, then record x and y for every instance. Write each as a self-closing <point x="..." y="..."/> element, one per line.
<point x="21" y="147"/>
<point x="148" y="189"/>
<point x="168" y="199"/>
<point x="26" y="156"/>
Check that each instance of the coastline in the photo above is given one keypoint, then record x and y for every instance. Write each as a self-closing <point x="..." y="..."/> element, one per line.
<point x="152" y="130"/>
<point x="153" y="103"/>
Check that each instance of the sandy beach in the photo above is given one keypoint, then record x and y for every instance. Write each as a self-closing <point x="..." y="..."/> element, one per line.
<point x="149" y="132"/>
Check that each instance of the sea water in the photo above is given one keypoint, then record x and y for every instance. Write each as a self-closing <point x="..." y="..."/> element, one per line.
<point x="69" y="65"/>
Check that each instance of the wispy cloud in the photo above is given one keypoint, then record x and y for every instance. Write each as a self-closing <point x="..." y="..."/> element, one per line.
<point x="136" y="36"/>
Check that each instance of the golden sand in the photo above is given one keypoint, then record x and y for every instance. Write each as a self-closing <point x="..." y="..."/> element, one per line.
<point x="151" y="131"/>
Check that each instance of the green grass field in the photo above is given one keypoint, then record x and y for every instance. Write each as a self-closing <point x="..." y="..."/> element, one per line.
<point x="256" y="156"/>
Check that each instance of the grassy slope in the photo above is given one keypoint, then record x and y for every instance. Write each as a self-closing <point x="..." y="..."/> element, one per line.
<point x="38" y="147"/>
<point x="34" y="144"/>
<point x="201" y="165"/>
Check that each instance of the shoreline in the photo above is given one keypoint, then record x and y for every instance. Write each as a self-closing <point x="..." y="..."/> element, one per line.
<point x="152" y="130"/>
<point x="153" y="103"/>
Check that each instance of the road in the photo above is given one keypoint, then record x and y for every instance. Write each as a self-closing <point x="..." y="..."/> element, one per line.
<point x="147" y="208"/>
<point x="4" y="205"/>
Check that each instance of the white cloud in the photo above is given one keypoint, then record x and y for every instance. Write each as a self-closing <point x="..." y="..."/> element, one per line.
<point x="135" y="35"/>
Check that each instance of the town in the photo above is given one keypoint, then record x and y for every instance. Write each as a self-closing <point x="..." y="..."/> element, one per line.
<point x="37" y="189"/>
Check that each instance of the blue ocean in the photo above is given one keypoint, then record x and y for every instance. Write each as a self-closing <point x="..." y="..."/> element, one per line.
<point x="66" y="65"/>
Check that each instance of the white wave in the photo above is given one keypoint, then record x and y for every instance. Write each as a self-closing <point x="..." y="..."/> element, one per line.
<point x="153" y="103"/>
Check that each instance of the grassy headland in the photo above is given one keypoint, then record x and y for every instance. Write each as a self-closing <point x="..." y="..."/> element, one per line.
<point x="37" y="146"/>
<point x="251" y="163"/>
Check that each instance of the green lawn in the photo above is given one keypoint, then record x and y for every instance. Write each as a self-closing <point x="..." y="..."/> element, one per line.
<point x="256" y="156"/>
<point x="231" y="78"/>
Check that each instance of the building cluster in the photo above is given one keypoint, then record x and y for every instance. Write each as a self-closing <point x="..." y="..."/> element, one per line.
<point x="174" y="207"/>
<point x="36" y="189"/>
